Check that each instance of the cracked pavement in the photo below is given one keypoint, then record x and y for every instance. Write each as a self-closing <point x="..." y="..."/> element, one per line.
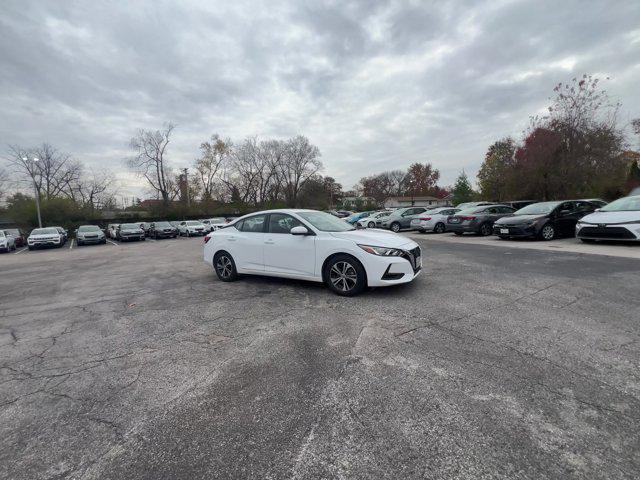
<point x="134" y="361"/>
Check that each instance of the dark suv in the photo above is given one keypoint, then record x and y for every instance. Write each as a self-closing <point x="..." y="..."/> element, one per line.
<point x="478" y="220"/>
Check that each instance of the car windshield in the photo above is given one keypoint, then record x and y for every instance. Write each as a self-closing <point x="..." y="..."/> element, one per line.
<point x="326" y="222"/>
<point x="625" y="204"/>
<point x="14" y="232"/>
<point x="89" y="228"/>
<point x="537" y="208"/>
<point x="162" y="225"/>
<point x="129" y="226"/>
<point x="194" y="223"/>
<point x="45" y="231"/>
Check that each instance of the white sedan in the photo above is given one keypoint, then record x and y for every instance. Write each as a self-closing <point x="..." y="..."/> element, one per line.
<point x="312" y="245"/>
<point x="619" y="220"/>
<point x="434" y="220"/>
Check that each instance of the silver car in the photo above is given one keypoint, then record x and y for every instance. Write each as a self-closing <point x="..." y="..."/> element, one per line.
<point x="401" y="218"/>
<point x="434" y="220"/>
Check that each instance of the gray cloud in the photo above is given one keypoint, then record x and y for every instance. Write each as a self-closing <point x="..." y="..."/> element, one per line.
<point x="375" y="85"/>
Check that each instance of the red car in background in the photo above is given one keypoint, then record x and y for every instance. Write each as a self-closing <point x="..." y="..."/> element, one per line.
<point x="16" y="233"/>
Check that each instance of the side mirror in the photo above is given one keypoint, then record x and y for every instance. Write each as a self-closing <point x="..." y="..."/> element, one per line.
<point x="299" y="230"/>
<point x="597" y="210"/>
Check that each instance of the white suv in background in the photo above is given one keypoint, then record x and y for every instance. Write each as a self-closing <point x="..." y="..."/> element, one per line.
<point x="44" y="237"/>
<point x="189" y="228"/>
<point x="434" y="220"/>
<point x="312" y="245"/>
<point x="7" y="242"/>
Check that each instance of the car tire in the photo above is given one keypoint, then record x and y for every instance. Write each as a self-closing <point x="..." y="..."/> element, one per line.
<point x="458" y="233"/>
<point x="394" y="227"/>
<point x="588" y="240"/>
<point x="143" y="239"/>
<point x="485" y="230"/>
<point x="547" y="232"/>
<point x="345" y="276"/>
<point x="439" y="228"/>
<point x="78" y="243"/>
<point x="225" y="267"/>
<point x="371" y="225"/>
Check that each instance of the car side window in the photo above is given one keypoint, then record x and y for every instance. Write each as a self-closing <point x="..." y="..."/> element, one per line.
<point x="490" y="210"/>
<point x="505" y="210"/>
<point x="585" y="207"/>
<point x="253" y="224"/>
<point x="419" y="210"/>
<point x="281" y="223"/>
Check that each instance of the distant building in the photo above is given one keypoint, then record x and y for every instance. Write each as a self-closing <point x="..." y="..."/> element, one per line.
<point x="356" y="202"/>
<point x="417" y="201"/>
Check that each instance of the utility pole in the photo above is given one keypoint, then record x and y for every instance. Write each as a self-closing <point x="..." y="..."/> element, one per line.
<point x="186" y="186"/>
<point x="35" y="189"/>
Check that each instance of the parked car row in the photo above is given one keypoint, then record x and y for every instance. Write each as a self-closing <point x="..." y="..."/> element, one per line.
<point x="589" y="219"/>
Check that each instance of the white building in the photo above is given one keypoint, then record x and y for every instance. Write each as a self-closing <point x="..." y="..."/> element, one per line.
<point x="417" y="201"/>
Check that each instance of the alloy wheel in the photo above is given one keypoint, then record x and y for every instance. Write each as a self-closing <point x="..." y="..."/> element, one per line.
<point x="395" y="227"/>
<point x="343" y="276"/>
<point x="439" y="228"/>
<point x="371" y="225"/>
<point x="224" y="267"/>
<point x="548" y="232"/>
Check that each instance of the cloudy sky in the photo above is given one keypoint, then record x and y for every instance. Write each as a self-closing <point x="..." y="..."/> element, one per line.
<point x="375" y="85"/>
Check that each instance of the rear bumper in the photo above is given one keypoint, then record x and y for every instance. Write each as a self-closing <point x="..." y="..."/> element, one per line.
<point x="461" y="228"/>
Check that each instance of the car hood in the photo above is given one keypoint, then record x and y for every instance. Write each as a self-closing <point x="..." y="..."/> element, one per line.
<point x="612" y="217"/>
<point x="376" y="238"/>
<point x="516" y="219"/>
<point x="41" y="236"/>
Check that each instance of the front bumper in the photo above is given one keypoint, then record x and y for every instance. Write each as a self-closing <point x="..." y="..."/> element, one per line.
<point x="90" y="239"/>
<point x="628" y="232"/>
<point x="385" y="271"/>
<point x="514" y="230"/>
<point x="196" y="232"/>
<point x="125" y="238"/>
<point x="165" y="234"/>
<point x="44" y="243"/>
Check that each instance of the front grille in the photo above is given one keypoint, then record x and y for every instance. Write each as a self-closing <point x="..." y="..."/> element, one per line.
<point x="412" y="256"/>
<point x="606" y="232"/>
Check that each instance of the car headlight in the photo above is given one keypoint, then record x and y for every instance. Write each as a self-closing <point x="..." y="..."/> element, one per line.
<point x="381" y="251"/>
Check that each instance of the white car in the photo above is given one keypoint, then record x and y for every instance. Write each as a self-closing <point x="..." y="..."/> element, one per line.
<point x="214" y="223"/>
<point x="434" y="220"/>
<point x="44" y="237"/>
<point x="7" y="242"/>
<point x="619" y="220"/>
<point x="374" y="220"/>
<point x="191" y="227"/>
<point x="312" y="245"/>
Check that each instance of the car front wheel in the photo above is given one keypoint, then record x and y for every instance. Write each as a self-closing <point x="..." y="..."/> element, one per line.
<point x="548" y="232"/>
<point x="371" y="225"/>
<point x="225" y="267"/>
<point x="345" y="276"/>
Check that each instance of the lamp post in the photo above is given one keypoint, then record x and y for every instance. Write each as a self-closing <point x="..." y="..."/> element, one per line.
<point x="35" y="160"/>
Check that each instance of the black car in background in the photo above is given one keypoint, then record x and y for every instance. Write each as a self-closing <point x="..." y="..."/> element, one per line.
<point x="162" y="230"/>
<point x="478" y="220"/>
<point x="544" y="220"/>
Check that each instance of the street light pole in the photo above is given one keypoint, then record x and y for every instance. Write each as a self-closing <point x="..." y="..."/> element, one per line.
<point x="35" y="191"/>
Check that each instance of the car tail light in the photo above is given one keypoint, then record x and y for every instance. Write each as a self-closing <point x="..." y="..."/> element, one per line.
<point x="207" y="238"/>
<point x="468" y="218"/>
<point x="425" y="218"/>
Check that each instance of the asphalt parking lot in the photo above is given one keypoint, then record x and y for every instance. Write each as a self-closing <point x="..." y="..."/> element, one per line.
<point x="134" y="361"/>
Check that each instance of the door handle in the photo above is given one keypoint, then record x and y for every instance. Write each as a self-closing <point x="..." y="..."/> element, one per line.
<point x="269" y="242"/>
<point x="231" y="239"/>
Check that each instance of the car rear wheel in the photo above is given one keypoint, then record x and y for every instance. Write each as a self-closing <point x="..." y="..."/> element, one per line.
<point x="439" y="228"/>
<point x="485" y="230"/>
<point x="225" y="267"/>
<point x="345" y="276"/>
<point x="395" y="227"/>
<point x="548" y="232"/>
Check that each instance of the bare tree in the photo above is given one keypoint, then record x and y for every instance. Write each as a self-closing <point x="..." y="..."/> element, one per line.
<point x="214" y="154"/>
<point x="298" y="164"/>
<point x="4" y="182"/>
<point x="52" y="173"/>
<point x="150" y="163"/>
<point x="95" y="189"/>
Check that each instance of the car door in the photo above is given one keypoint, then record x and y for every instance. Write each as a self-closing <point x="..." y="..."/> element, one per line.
<point x="247" y="244"/>
<point x="405" y="221"/>
<point x="286" y="253"/>
<point x="566" y="217"/>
